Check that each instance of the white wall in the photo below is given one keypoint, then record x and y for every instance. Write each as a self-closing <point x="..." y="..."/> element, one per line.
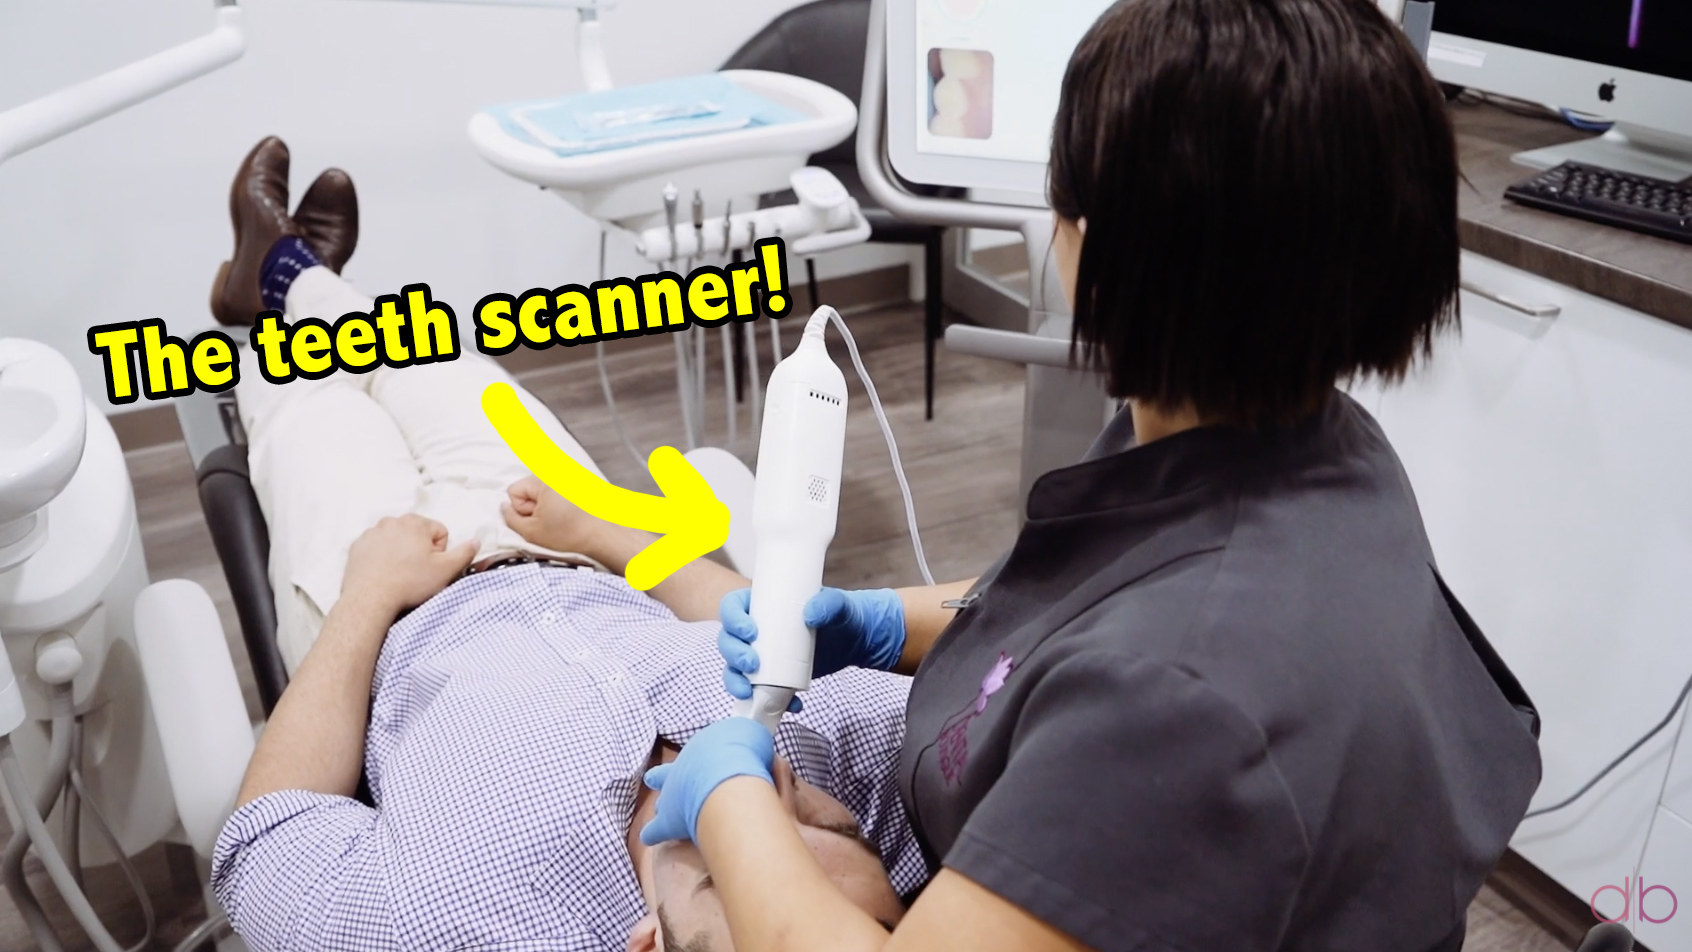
<point x="128" y="218"/>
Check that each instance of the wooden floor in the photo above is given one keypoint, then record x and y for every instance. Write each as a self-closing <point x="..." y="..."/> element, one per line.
<point x="962" y="468"/>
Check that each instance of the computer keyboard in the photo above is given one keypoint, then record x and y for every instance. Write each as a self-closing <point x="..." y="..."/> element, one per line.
<point x="1650" y="205"/>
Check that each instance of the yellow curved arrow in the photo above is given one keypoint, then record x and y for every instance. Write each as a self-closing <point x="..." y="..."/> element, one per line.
<point x="688" y="516"/>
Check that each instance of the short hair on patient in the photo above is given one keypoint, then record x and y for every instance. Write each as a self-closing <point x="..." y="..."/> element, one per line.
<point x="1270" y="196"/>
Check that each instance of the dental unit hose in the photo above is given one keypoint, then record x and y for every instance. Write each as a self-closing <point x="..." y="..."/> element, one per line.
<point x="31" y="806"/>
<point x="11" y="776"/>
<point x="47" y="791"/>
<point x="795" y="505"/>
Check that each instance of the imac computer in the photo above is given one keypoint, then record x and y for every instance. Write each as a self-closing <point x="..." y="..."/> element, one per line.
<point x="1629" y="61"/>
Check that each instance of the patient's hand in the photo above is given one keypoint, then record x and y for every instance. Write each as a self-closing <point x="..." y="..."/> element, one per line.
<point x="402" y="561"/>
<point x="547" y="519"/>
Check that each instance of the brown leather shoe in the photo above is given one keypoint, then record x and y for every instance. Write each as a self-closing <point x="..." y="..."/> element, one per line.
<point x="258" y="207"/>
<point x="329" y="215"/>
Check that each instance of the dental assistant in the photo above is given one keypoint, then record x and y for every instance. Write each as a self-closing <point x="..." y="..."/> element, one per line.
<point x="1217" y="697"/>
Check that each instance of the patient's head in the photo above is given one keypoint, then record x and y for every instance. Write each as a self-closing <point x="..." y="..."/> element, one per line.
<point x="689" y="915"/>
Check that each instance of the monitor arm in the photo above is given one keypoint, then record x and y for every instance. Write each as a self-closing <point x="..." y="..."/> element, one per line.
<point x="878" y="177"/>
<point x="1418" y="22"/>
<point x="1063" y="407"/>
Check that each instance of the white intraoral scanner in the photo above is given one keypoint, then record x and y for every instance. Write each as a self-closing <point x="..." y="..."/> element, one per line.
<point x="794" y="506"/>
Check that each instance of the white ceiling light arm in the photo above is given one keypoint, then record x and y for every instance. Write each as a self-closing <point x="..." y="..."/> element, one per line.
<point x="36" y="123"/>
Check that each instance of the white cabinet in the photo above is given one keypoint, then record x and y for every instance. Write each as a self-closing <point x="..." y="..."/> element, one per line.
<point x="1553" y="464"/>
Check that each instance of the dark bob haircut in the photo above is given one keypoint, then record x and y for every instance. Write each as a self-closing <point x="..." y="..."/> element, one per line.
<point x="1270" y="196"/>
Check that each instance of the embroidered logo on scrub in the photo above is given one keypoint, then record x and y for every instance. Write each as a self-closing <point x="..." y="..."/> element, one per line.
<point x="954" y="737"/>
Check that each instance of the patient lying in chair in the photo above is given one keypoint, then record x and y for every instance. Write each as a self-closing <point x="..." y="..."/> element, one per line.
<point x="459" y="635"/>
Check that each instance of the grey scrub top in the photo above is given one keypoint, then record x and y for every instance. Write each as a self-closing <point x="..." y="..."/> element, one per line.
<point x="1218" y="699"/>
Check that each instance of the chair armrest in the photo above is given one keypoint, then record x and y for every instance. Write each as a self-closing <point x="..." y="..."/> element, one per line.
<point x="196" y="703"/>
<point x="243" y="546"/>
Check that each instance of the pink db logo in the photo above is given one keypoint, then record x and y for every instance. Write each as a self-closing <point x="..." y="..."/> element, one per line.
<point x="1628" y="898"/>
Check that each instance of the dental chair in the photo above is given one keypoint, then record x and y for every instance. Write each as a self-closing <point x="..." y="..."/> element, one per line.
<point x="195" y="695"/>
<point x="218" y="448"/>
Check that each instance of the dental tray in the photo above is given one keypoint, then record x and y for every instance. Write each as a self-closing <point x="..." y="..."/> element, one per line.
<point x="629" y="116"/>
<point x="624" y="185"/>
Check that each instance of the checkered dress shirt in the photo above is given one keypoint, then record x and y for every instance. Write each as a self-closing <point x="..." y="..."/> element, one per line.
<point x="511" y="717"/>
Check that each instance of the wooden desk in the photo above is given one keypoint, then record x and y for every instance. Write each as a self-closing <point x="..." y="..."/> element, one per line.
<point x="1646" y="273"/>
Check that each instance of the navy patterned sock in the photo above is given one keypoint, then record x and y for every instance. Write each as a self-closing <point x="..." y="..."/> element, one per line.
<point x="287" y="258"/>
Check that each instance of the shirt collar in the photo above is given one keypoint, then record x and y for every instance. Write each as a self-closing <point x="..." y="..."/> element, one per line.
<point x="1116" y="473"/>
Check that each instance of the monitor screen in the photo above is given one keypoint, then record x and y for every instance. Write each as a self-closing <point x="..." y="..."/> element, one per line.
<point x="1648" y="36"/>
<point x="973" y="86"/>
<point x="990" y="72"/>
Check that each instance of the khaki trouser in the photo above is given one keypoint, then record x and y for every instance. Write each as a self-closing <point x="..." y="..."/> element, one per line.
<point x="330" y="457"/>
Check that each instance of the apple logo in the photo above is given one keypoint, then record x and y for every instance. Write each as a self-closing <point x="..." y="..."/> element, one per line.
<point x="1607" y="91"/>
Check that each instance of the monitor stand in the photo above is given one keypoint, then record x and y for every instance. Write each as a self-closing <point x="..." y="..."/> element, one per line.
<point x="1625" y="148"/>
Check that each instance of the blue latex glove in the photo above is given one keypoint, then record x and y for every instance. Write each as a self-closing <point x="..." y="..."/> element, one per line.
<point x="732" y="747"/>
<point x="862" y="629"/>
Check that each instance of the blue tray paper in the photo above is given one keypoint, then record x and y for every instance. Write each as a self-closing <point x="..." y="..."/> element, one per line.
<point x="635" y="115"/>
